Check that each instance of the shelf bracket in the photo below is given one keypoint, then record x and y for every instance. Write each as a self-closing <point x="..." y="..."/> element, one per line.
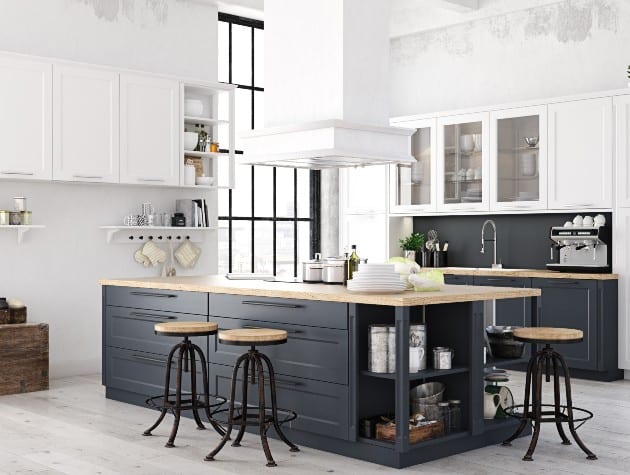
<point x="110" y="235"/>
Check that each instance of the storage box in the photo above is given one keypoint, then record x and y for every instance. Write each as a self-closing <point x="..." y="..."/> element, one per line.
<point x="17" y="315"/>
<point x="387" y="431"/>
<point x="23" y="358"/>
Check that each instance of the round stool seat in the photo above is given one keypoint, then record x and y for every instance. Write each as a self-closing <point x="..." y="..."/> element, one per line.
<point x="548" y="335"/>
<point x="253" y="336"/>
<point x="186" y="328"/>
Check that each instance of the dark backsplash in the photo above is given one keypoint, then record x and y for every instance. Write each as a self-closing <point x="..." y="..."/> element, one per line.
<point x="523" y="239"/>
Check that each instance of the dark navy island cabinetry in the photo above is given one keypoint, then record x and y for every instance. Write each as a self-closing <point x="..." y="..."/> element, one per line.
<point x="321" y="372"/>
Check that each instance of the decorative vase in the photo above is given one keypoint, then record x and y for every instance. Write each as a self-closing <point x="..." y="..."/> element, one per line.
<point x="410" y="255"/>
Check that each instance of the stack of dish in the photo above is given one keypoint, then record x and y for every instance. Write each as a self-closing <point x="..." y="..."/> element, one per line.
<point x="376" y="278"/>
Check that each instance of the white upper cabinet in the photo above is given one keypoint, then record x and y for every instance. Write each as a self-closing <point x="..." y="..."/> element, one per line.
<point x="518" y="159"/>
<point x="364" y="189"/>
<point x="25" y="119"/>
<point x="85" y="124"/>
<point x="149" y="130"/>
<point x="413" y="188"/>
<point x="581" y="154"/>
<point x="622" y="152"/>
<point x="462" y="162"/>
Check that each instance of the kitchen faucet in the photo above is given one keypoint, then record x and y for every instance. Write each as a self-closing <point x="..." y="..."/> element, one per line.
<point x="494" y="240"/>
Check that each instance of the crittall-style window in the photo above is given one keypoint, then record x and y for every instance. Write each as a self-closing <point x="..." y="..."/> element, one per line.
<point x="270" y="221"/>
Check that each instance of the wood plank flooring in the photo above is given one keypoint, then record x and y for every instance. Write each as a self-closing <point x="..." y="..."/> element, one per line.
<point x="73" y="429"/>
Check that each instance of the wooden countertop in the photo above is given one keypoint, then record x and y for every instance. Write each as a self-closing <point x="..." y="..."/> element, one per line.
<point x="331" y="293"/>
<point x="537" y="273"/>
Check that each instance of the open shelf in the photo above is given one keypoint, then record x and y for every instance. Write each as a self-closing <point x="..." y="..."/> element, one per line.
<point x="503" y="362"/>
<point x="204" y="120"/>
<point x="22" y="229"/>
<point x="424" y="374"/>
<point x="420" y="445"/>
<point x="192" y="153"/>
<point x="133" y="234"/>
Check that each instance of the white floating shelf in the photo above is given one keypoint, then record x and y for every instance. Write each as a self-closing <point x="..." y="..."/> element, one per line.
<point x="191" y="153"/>
<point x="22" y="229"/>
<point x="139" y="234"/>
<point x="204" y="120"/>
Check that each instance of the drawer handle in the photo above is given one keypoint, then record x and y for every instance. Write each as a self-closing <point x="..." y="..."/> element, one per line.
<point x="290" y="332"/>
<point x="152" y="317"/>
<point x="152" y="360"/>
<point x="9" y="172"/>
<point x="498" y="279"/>
<point x="570" y="282"/>
<point x="148" y="294"/>
<point x="89" y="177"/>
<point x="156" y="180"/>
<point x="270" y="304"/>
<point x="282" y="382"/>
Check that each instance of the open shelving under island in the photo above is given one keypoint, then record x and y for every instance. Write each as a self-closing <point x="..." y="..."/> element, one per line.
<point x="322" y="370"/>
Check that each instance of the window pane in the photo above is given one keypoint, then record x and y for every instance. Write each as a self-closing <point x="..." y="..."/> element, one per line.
<point x="259" y="109"/>
<point x="263" y="247"/>
<point x="304" y="244"/>
<point x="224" y="249"/>
<point x="241" y="246"/>
<point x="224" y="52"/>
<point x="242" y="194"/>
<point x="263" y="192"/>
<point x="304" y="193"/>
<point x="224" y="201"/>
<point x="243" y="112"/>
<point x="284" y="249"/>
<point x="259" y="57"/>
<point x="284" y="190"/>
<point x="242" y="55"/>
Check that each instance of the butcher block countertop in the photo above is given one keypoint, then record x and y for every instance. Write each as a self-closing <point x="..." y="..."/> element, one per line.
<point x="526" y="273"/>
<point x="218" y="284"/>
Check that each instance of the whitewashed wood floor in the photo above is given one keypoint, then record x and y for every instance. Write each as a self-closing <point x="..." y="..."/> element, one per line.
<point x="73" y="429"/>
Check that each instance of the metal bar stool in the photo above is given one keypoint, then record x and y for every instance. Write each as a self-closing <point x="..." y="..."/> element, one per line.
<point x="187" y="350"/>
<point x="541" y="362"/>
<point x="252" y="362"/>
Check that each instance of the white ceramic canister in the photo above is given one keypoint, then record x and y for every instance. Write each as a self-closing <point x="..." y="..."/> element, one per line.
<point x="377" y="348"/>
<point x="189" y="174"/>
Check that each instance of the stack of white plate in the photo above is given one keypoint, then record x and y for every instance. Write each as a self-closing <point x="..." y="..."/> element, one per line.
<point x="376" y="278"/>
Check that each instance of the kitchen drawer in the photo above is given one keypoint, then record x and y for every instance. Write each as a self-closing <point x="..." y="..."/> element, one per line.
<point x="195" y="303"/>
<point x="310" y="352"/>
<point x="143" y="373"/>
<point x="297" y="312"/>
<point x="513" y="312"/>
<point x="133" y="329"/>
<point x="322" y="408"/>
<point x="452" y="279"/>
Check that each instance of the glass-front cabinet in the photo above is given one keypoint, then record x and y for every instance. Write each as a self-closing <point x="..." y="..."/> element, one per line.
<point x="518" y="158"/>
<point x="463" y="165"/>
<point x="412" y="187"/>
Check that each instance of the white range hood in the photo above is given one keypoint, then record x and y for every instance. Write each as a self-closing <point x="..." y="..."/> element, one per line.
<point x="326" y="83"/>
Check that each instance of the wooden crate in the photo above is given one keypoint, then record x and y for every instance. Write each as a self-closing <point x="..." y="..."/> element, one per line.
<point x="17" y="315"/>
<point x="387" y="431"/>
<point x="23" y="358"/>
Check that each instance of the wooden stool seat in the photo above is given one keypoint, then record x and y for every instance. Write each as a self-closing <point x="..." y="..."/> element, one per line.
<point x="186" y="328"/>
<point x="253" y="336"/>
<point x="548" y="335"/>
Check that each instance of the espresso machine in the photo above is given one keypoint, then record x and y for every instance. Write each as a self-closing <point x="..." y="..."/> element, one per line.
<point x="579" y="249"/>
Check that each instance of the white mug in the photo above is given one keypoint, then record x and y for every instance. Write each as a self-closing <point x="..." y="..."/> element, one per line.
<point x="416" y="355"/>
<point x="578" y="221"/>
<point x="587" y="221"/>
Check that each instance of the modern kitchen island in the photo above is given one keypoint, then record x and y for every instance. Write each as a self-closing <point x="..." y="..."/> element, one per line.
<point x="322" y="370"/>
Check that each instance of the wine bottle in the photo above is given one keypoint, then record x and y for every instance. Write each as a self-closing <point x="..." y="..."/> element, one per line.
<point x="353" y="262"/>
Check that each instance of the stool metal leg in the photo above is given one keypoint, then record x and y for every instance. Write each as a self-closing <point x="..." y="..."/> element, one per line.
<point x="193" y="389"/>
<point x="567" y="383"/>
<point x="529" y="375"/>
<point x="537" y="408"/>
<point x="261" y="411"/>
<point x="556" y="400"/>
<point x="206" y="390"/>
<point x="178" y="398"/>
<point x="230" y="424"/>
<point x="274" y="406"/>
<point x="164" y="410"/>
<point x="241" y="430"/>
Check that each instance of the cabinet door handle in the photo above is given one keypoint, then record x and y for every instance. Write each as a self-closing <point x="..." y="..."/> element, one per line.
<point x="149" y="294"/>
<point x="10" y="172"/>
<point x="89" y="177"/>
<point x="147" y="358"/>
<point x="290" y="332"/>
<point x="270" y="304"/>
<point x="498" y="279"/>
<point x="564" y="282"/>
<point x="159" y="180"/>
<point x="282" y="382"/>
<point x="150" y="316"/>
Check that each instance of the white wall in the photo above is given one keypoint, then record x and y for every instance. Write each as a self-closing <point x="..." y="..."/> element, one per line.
<point x="55" y="271"/>
<point x="562" y="48"/>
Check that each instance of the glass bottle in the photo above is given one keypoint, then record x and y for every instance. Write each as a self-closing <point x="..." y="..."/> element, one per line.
<point x="445" y="416"/>
<point x="197" y="131"/>
<point x="456" y="415"/>
<point x="203" y="139"/>
<point x="353" y="262"/>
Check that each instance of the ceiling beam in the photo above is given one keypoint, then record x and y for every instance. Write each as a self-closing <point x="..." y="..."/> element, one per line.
<point x="462" y="6"/>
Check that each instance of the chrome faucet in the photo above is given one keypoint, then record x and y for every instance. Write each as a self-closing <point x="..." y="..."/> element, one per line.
<point x="494" y="240"/>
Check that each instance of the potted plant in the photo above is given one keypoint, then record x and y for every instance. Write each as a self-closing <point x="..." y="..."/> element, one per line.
<point x="411" y="244"/>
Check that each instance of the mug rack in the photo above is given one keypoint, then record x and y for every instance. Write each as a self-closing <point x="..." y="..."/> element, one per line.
<point x="138" y="234"/>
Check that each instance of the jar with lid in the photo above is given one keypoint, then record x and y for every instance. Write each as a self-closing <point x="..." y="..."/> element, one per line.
<point x="4" y="311"/>
<point x="445" y="416"/>
<point x="455" y="406"/>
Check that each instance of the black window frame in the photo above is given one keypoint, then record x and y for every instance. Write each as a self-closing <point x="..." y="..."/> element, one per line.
<point x="314" y="175"/>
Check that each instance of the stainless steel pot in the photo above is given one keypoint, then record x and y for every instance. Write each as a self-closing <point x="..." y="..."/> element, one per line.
<point x="312" y="270"/>
<point x="335" y="270"/>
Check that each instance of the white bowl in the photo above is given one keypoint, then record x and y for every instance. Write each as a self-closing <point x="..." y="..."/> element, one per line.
<point x="190" y="140"/>
<point x="193" y="107"/>
<point x="204" y="180"/>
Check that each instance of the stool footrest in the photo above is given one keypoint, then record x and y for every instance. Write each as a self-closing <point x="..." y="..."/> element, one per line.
<point x="252" y="418"/>
<point x="186" y="401"/>
<point x="562" y="417"/>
